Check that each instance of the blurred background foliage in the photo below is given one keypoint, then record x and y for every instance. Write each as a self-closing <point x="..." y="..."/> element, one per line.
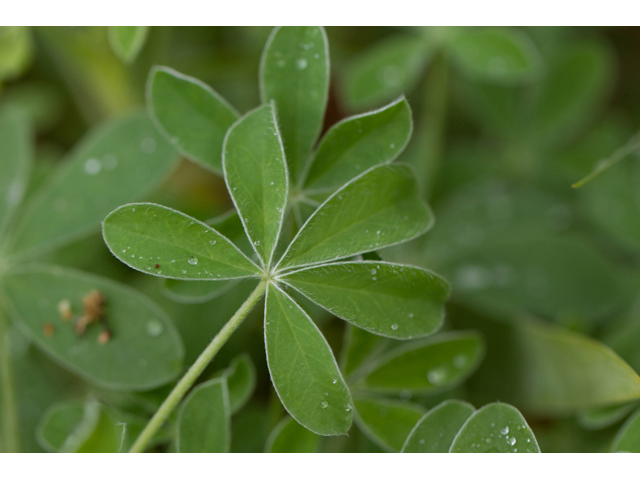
<point x="505" y="120"/>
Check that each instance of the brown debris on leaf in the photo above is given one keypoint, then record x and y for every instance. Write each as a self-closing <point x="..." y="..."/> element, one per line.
<point x="65" y="311"/>
<point x="93" y="304"/>
<point x="48" y="329"/>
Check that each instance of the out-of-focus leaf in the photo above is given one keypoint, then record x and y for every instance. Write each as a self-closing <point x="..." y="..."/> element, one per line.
<point x="604" y="417"/>
<point x="42" y="103"/>
<point x="386" y="422"/>
<point x="115" y="164"/>
<point x="190" y="114"/>
<point x="15" y="51"/>
<point x="255" y="170"/>
<point x="388" y="69"/>
<point x="144" y="235"/>
<point x="359" y="347"/>
<point x="294" y="72"/>
<point x="431" y="365"/>
<point x="195" y="292"/>
<point x="435" y="432"/>
<point x="358" y="143"/>
<point x="628" y="438"/>
<point x="578" y="79"/>
<point x="381" y="207"/>
<point x="144" y="350"/>
<point x="496" y="54"/>
<point x="126" y="42"/>
<point x="204" y="420"/>
<point x="15" y="167"/>
<point x="498" y="428"/>
<point x="303" y="369"/>
<point x="387" y="299"/>
<point x="291" y="437"/>
<point x="241" y="381"/>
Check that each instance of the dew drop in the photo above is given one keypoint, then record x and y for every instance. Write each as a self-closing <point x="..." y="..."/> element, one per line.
<point x="148" y="145"/>
<point x="410" y="315"/>
<point x="212" y="242"/>
<point x="504" y="430"/>
<point x="460" y="361"/>
<point x="301" y="63"/>
<point x="109" y="162"/>
<point x="421" y="442"/>
<point x="334" y="381"/>
<point x="192" y="261"/>
<point x="154" y="328"/>
<point x="437" y="376"/>
<point x="324" y="404"/>
<point x="348" y="407"/>
<point x="511" y="441"/>
<point x="184" y="272"/>
<point x="373" y="271"/>
<point x="257" y="243"/>
<point x="92" y="166"/>
<point x="394" y="326"/>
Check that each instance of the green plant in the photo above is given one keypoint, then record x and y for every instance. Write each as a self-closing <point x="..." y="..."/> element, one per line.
<point x="378" y="208"/>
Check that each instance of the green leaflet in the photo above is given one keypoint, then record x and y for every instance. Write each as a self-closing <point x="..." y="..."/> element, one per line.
<point x="204" y="419"/>
<point x="390" y="68"/>
<point x="496" y="54"/>
<point x="578" y="80"/>
<point x="358" y="348"/>
<point x="294" y="72"/>
<point x="291" y="437"/>
<point x="561" y="371"/>
<point x="126" y="42"/>
<point x="195" y="292"/>
<point x="144" y="351"/>
<point x="435" y="432"/>
<point x="15" y="167"/>
<point x="241" y="381"/>
<point x="144" y="235"/>
<point x="357" y="143"/>
<point x="190" y="114"/>
<point x="16" y="51"/>
<point x="114" y="164"/>
<point x="386" y="422"/>
<point x="598" y="418"/>
<point x="429" y="366"/>
<point x="256" y="174"/>
<point x="379" y="208"/>
<point x="628" y="438"/>
<point x="303" y="369"/>
<point x="60" y="423"/>
<point x="498" y="428"/>
<point x="383" y="298"/>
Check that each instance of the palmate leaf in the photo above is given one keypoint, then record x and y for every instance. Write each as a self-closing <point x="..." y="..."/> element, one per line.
<point x="144" y="350"/>
<point x="358" y="143"/>
<point x="126" y="42"/>
<point x="144" y="235"/>
<point x="302" y="367"/>
<point x="15" y="167"/>
<point x="498" y="428"/>
<point x="291" y="437"/>
<point x="432" y="365"/>
<point x="386" y="422"/>
<point x="294" y="73"/>
<point x="204" y="420"/>
<point x="256" y="174"/>
<point x="435" y="432"/>
<point x="190" y="114"/>
<point x="114" y="164"/>
<point x="386" y="299"/>
<point x="379" y="208"/>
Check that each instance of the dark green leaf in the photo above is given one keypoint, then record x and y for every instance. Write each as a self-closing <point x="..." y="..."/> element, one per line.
<point x="191" y="115"/>
<point x="358" y="143"/>
<point x="303" y="369"/>
<point x="204" y="420"/>
<point x="241" y="381"/>
<point x="390" y="68"/>
<point x="497" y="428"/>
<point x="435" y="432"/>
<point x="144" y="235"/>
<point x="497" y="54"/>
<point x="358" y="348"/>
<point x="294" y="72"/>
<point x="384" y="298"/>
<point x="379" y="208"/>
<point x="115" y="164"/>
<point x="291" y="437"/>
<point x="386" y="422"/>
<point x="144" y="350"/>
<point x="628" y="438"/>
<point x="256" y="174"/>
<point x="432" y="365"/>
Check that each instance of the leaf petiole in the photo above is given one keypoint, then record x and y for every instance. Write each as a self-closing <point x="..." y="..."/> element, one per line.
<point x="189" y="378"/>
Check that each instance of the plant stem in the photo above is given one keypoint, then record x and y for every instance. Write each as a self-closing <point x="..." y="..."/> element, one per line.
<point x="9" y="410"/>
<point x="189" y="378"/>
